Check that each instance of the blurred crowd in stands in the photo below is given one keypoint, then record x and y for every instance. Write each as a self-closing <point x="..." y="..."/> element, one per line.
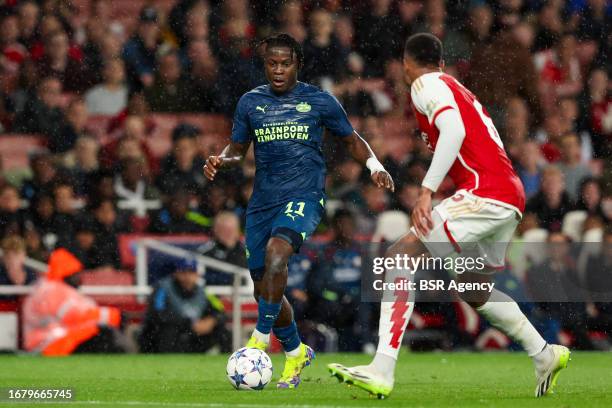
<point x="541" y="69"/>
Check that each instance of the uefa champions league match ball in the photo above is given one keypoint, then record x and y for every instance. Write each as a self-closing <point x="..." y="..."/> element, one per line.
<point x="249" y="369"/>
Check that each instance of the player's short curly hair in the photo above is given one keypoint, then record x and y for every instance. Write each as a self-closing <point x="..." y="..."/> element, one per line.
<point x="284" y="40"/>
<point x="424" y="48"/>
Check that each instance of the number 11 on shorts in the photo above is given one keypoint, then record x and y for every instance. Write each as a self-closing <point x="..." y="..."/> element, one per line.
<point x="291" y="213"/>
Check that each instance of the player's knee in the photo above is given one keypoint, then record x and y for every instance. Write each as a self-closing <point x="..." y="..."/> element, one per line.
<point x="474" y="303"/>
<point x="409" y="244"/>
<point x="277" y="255"/>
<point x="475" y="298"/>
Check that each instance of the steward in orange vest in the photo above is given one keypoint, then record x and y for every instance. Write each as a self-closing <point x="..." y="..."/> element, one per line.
<point x="57" y="319"/>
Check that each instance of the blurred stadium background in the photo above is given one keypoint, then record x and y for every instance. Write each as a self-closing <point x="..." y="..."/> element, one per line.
<point x="108" y="109"/>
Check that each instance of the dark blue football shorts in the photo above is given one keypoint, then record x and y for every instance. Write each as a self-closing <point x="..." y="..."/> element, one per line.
<point x="293" y="221"/>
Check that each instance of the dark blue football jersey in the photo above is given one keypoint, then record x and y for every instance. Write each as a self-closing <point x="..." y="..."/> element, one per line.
<point x="287" y="132"/>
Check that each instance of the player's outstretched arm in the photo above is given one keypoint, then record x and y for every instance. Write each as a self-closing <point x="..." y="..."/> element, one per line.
<point x="232" y="154"/>
<point x="361" y="151"/>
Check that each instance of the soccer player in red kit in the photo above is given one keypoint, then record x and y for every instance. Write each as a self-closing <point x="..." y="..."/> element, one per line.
<point x="477" y="221"/>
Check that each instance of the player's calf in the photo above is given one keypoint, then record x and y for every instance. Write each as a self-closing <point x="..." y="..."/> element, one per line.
<point x="475" y="298"/>
<point x="270" y="289"/>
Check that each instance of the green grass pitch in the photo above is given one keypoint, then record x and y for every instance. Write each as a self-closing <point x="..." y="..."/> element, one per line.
<point x="198" y="381"/>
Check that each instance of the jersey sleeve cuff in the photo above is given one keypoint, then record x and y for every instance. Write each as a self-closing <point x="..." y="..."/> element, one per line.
<point x="427" y="184"/>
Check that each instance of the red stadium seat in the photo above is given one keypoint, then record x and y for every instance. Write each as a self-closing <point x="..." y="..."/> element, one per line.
<point x="97" y="126"/>
<point x="109" y="277"/>
<point x="209" y="123"/>
<point x="160" y="141"/>
<point x="15" y="149"/>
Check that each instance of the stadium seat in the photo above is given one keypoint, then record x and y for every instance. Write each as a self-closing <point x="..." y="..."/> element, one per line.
<point x="572" y="224"/>
<point x="391" y="225"/>
<point x="160" y="141"/>
<point x="97" y="126"/>
<point x="209" y="123"/>
<point x="109" y="277"/>
<point x="17" y="148"/>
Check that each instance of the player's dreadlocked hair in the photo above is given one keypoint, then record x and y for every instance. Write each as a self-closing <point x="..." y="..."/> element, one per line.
<point x="285" y="40"/>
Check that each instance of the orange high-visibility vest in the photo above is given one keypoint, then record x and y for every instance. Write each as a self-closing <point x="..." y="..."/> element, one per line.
<point x="57" y="318"/>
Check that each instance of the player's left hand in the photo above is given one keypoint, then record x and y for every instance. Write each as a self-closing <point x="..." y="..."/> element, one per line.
<point x="421" y="214"/>
<point x="383" y="179"/>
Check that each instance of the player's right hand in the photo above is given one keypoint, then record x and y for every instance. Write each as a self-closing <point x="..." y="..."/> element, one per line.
<point x="213" y="163"/>
<point x="421" y="214"/>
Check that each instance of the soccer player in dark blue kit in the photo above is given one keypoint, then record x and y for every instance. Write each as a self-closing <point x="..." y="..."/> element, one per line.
<point x="285" y="121"/>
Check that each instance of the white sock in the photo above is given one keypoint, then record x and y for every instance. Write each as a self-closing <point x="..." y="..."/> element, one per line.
<point x="543" y="359"/>
<point x="395" y="311"/>
<point x="503" y="313"/>
<point x="293" y="353"/>
<point x="385" y="365"/>
<point x="261" y="336"/>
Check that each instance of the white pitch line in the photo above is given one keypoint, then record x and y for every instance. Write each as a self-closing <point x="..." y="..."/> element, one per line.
<point x="182" y="404"/>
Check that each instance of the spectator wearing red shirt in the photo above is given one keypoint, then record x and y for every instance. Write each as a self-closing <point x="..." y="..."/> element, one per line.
<point x="559" y="71"/>
<point x="58" y="62"/>
<point x="13" y="53"/>
<point x="596" y="115"/>
<point x="49" y="24"/>
<point x="237" y="31"/>
<point x="551" y="134"/>
<point x="134" y="133"/>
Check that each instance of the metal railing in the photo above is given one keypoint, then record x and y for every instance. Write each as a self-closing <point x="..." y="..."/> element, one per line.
<point x="241" y="289"/>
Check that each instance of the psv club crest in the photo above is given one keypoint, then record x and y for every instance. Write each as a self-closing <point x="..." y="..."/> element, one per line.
<point x="303" y="107"/>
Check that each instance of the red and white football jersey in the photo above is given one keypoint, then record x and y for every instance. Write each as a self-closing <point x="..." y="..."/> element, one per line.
<point x="482" y="166"/>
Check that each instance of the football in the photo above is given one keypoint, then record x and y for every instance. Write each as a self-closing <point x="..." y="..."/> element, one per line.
<point x="249" y="369"/>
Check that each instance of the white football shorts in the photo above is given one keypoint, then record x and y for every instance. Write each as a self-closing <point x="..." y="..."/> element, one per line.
<point x="469" y="226"/>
